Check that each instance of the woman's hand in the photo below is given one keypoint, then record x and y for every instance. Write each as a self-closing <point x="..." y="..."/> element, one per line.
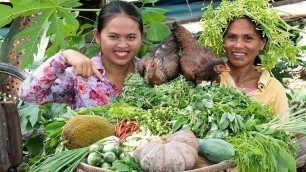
<point x="83" y="65"/>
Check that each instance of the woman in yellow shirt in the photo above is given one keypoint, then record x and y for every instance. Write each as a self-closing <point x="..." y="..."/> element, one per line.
<point x="246" y="32"/>
<point x="242" y="44"/>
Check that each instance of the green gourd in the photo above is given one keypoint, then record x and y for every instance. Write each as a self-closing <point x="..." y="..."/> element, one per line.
<point x="216" y="150"/>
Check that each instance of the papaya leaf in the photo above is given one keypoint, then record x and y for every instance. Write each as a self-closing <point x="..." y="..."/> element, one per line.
<point x="58" y="12"/>
<point x="56" y="33"/>
<point x="70" y="17"/>
<point x="4" y="17"/>
<point x="23" y="8"/>
<point x="42" y="46"/>
<point x="32" y="34"/>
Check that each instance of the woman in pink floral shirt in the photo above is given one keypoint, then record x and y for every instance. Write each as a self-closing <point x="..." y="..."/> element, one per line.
<point x="72" y="78"/>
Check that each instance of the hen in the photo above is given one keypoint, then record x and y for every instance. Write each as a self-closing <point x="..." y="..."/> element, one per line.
<point x="197" y="63"/>
<point x="162" y="64"/>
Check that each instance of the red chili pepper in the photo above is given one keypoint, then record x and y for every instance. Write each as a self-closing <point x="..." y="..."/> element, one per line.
<point x="125" y="128"/>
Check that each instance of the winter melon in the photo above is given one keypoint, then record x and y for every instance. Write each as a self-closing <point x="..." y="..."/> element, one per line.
<point x="216" y="150"/>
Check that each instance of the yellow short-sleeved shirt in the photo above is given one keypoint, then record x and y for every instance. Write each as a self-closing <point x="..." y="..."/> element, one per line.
<point x="271" y="92"/>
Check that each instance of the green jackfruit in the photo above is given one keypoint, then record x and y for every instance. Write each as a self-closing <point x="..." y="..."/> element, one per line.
<point x="84" y="130"/>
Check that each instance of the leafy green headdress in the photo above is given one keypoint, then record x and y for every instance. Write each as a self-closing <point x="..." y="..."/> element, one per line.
<point x="279" y="45"/>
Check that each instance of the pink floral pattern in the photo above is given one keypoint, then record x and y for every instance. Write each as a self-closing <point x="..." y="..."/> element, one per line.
<point x="55" y="81"/>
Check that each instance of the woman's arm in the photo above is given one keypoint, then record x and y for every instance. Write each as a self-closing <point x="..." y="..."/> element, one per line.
<point x="47" y="81"/>
<point x="83" y="65"/>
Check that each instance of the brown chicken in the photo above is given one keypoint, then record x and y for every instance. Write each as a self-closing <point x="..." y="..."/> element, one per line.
<point x="197" y="63"/>
<point x="162" y="64"/>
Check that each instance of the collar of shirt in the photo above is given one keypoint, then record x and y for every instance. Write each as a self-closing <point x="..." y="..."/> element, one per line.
<point x="264" y="78"/>
<point x="263" y="81"/>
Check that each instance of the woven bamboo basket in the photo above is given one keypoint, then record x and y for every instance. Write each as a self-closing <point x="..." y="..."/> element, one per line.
<point x="201" y="165"/>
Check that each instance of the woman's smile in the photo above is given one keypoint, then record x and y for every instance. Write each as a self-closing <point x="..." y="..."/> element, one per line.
<point x="121" y="54"/>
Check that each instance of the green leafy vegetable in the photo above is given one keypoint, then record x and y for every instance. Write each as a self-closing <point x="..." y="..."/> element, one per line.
<point x="258" y="152"/>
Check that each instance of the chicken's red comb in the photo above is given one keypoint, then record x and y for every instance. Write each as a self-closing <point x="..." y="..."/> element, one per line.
<point x="151" y="63"/>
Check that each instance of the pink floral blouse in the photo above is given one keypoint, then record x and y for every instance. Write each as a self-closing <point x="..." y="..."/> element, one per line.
<point x="55" y="81"/>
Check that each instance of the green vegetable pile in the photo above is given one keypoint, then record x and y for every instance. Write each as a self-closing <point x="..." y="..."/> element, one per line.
<point x="209" y="110"/>
<point x="279" y="45"/>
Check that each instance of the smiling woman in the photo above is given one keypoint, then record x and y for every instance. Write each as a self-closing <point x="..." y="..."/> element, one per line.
<point x="72" y="78"/>
<point x="245" y="37"/>
<point x="242" y="44"/>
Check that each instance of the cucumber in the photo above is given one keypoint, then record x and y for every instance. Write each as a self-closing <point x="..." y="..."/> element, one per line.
<point x="216" y="150"/>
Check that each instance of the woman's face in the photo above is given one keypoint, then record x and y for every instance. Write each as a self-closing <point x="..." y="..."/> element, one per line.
<point x="119" y="40"/>
<point x="242" y="43"/>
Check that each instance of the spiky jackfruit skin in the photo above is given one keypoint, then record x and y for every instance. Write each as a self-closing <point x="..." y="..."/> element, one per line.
<point x="84" y="130"/>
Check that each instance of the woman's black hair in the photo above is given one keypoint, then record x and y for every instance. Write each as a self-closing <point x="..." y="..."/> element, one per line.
<point x="112" y="9"/>
<point x="257" y="61"/>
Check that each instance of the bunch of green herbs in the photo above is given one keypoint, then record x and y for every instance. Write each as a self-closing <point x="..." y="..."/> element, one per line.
<point x="257" y="152"/>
